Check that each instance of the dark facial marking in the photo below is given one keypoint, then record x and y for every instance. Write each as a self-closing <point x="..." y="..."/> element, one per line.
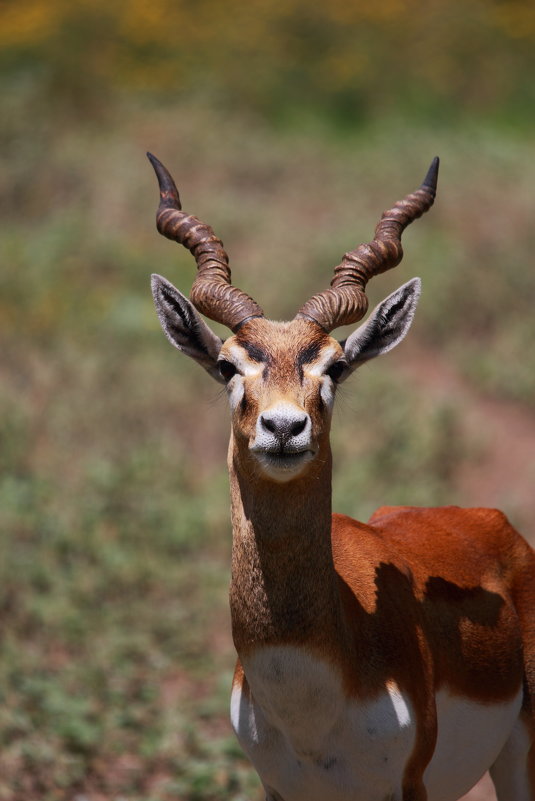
<point x="307" y="355"/>
<point x="256" y="354"/>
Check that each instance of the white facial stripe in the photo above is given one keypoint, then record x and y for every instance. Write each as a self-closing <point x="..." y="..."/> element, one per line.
<point x="317" y="370"/>
<point x="236" y="391"/>
<point x="327" y="392"/>
<point x="245" y="367"/>
<point x="244" y="364"/>
<point x="322" y="362"/>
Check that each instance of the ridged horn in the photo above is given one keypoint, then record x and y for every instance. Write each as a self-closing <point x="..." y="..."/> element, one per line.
<point x="212" y="293"/>
<point x="346" y="302"/>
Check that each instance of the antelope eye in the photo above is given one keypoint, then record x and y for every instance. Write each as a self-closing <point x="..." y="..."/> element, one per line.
<point x="226" y="369"/>
<point x="335" y="370"/>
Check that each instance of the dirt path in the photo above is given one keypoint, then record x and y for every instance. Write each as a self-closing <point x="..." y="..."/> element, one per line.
<point x="501" y="432"/>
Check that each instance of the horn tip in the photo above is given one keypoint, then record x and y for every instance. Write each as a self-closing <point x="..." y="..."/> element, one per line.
<point x="168" y="191"/>
<point x="430" y="180"/>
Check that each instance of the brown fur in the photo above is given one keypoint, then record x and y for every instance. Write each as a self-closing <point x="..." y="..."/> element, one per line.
<point x="429" y="598"/>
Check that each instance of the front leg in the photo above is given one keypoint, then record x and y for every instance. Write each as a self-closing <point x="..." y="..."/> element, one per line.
<point x="415" y="793"/>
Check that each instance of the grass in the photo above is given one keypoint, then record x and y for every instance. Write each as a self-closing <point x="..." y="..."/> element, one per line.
<point x="116" y="654"/>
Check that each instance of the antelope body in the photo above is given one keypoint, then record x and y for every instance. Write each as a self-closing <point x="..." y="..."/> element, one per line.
<point x="387" y="661"/>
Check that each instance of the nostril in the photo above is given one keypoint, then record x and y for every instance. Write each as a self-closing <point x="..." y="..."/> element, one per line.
<point x="283" y="426"/>
<point x="297" y="427"/>
<point x="268" y="424"/>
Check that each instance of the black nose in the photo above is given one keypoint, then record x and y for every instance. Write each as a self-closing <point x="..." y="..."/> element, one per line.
<point x="284" y="426"/>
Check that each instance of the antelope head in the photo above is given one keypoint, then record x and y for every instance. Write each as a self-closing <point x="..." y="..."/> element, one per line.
<point x="281" y="378"/>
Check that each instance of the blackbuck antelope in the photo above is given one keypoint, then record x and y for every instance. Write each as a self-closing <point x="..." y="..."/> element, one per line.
<point x="392" y="660"/>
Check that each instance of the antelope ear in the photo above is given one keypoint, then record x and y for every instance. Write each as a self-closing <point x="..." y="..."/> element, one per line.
<point x="184" y="327"/>
<point x="386" y="326"/>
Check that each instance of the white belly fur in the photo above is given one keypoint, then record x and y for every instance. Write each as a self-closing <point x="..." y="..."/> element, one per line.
<point x="309" y="743"/>
<point x="470" y="737"/>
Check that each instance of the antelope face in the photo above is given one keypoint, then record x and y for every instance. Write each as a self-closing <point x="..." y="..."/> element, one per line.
<point x="281" y="380"/>
<point x="281" y="377"/>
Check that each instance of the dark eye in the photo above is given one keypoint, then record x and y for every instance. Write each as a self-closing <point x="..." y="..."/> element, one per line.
<point x="226" y="369"/>
<point x="335" y="371"/>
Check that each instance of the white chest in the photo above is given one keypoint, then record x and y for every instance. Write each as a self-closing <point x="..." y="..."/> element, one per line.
<point x="309" y="742"/>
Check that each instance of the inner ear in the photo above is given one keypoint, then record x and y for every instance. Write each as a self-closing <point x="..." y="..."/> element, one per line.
<point x="184" y="327"/>
<point x="385" y="328"/>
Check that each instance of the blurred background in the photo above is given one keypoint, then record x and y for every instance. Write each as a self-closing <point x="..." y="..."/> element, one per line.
<point x="289" y="127"/>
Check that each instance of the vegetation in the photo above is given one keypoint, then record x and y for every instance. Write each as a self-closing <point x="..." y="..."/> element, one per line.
<point x="116" y="653"/>
<point x="352" y="60"/>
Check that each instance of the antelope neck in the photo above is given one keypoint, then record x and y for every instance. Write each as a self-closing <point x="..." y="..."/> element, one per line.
<point x="284" y="586"/>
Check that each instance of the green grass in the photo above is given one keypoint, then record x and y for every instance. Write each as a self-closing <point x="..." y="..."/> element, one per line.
<point x="116" y="655"/>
